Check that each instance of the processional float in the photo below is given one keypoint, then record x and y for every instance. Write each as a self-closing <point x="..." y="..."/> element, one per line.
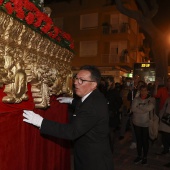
<point x="33" y="50"/>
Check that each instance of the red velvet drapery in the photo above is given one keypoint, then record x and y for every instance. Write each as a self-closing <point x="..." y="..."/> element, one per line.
<point x="21" y="145"/>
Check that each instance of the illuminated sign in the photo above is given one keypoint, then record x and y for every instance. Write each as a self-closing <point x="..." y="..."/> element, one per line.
<point x="145" y="65"/>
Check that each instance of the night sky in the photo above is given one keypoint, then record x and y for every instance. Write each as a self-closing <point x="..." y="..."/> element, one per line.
<point x="162" y="19"/>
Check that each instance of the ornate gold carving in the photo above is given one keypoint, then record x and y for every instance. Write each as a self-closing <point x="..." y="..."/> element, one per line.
<point x="28" y="57"/>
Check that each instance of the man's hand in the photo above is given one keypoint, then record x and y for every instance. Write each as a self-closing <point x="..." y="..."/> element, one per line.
<point x="65" y="99"/>
<point x="32" y="118"/>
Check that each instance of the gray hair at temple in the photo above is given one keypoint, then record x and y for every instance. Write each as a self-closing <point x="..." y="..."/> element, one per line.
<point x="95" y="72"/>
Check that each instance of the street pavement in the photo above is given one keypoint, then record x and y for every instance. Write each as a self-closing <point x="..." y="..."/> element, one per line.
<point x="123" y="156"/>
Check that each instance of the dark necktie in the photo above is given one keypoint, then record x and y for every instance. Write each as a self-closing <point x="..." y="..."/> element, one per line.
<point x="79" y="102"/>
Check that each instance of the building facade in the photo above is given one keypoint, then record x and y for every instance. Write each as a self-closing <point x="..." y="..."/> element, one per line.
<point x="102" y="35"/>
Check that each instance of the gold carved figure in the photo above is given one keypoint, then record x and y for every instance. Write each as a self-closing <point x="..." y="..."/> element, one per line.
<point x="28" y="57"/>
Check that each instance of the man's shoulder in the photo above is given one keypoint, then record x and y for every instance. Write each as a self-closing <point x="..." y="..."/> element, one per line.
<point x="96" y="95"/>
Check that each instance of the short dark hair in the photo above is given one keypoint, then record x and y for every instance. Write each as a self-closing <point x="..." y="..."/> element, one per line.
<point x="95" y="72"/>
<point x="111" y="79"/>
<point x="128" y="79"/>
<point x="144" y="86"/>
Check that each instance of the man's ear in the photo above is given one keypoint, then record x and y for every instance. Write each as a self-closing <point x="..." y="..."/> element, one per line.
<point x="94" y="85"/>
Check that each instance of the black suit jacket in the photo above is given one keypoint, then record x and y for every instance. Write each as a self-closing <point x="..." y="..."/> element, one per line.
<point x="90" y="132"/>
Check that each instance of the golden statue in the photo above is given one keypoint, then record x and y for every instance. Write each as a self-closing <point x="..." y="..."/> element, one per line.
<point x="28" y="57"/>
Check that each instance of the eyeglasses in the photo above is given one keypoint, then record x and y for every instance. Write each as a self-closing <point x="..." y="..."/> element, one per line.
<point x="80" y="81"/>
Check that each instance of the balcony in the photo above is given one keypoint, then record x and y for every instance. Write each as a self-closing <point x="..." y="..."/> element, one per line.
<point x="119" y="61"/>
<point x="115" y="58"/>
<point x="109" y="29"/>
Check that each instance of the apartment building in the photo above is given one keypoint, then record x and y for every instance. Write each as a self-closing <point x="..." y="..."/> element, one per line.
<point x="102" y="35"/>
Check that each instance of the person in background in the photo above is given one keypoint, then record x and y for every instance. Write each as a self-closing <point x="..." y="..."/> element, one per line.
<point x="118" y="87"/>
<point x="134" y="92"/>
<point x="114" y="103"/>
<point x="161" y="94"/>
<point x="164" y="128"/>
<point x="102" y="86"/>
<point x="151" y="89"/>
<point x="141" y="108"/>
<point x="133" y="88"/>
<point x="89" y="128"/>
<point x="125" y="108"/>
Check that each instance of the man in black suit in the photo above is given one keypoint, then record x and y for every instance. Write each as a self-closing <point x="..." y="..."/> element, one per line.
<point x="88" y="129"/>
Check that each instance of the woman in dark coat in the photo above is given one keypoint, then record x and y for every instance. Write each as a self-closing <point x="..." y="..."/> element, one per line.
<point x="114" y="102"/>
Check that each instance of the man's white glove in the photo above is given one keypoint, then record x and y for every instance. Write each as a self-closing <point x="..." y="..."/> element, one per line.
<point x="65" y="99"/>
<point x="32" y="118"/>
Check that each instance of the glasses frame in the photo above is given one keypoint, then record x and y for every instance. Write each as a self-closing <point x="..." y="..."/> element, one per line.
<point x="81" y="81"/>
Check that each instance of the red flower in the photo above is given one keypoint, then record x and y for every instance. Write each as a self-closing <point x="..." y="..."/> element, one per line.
<point x="28" y="5"/>
<point x="58" y="38"/>
<point x="72" y="45"/>
<point x="30" y="18"/>
<point x="55" y="32"/>
<point x="66" y="36"/>
<point x="39" y="19"/>
<point x="20" y="13"/>
<point x="26" y="10"/>
<point x="46" y="28"/>
<point x="9" y="8"/>
<point x="37" y="23"/>
<point x="50" y="34"/>
<point x="1" y="2"/>
<point x="17" y="3"/>
<point x="47" y="19"/>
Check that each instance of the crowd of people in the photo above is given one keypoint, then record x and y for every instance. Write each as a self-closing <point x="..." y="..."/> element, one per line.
<point x="100" y="107"/>
<point x="130" y="105"/>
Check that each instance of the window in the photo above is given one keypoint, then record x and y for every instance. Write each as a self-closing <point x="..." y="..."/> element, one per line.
<point x="115" y="23"/>
<point x="119" y="23"/>
<point x="117" y="50"/>
<point x="89" y="21"/>
<point x="88" y="48"/>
